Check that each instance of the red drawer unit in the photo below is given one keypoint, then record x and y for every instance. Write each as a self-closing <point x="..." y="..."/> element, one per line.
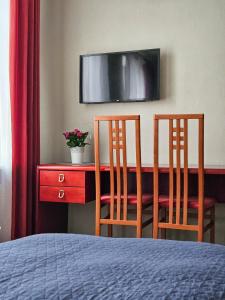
<point x="65" y="184"/>
<point x="62" y="178"/>
<point x="62" y="194"/>
<point x="57" y="186"/>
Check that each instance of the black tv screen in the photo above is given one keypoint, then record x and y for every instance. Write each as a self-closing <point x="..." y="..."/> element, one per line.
<point x="120" y="76"/>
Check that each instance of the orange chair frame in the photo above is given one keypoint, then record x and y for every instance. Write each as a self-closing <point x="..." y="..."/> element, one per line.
<point x="181" y="140"/>
<point x="118" y="210"/>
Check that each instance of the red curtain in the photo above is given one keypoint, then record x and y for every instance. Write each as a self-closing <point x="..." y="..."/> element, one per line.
<point x="24" y="90"/>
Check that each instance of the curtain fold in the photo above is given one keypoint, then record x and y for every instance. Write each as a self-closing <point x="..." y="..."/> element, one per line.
<point x="24" y="94"/>
<point x="5" y="127"/>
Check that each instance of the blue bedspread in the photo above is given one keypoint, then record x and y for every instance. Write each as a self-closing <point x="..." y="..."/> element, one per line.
<point x="69" y="266"/>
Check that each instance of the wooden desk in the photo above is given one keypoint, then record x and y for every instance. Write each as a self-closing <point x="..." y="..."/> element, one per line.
<point x="61" y="184"/>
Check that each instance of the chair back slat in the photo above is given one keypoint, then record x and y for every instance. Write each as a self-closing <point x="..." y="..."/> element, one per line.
<point x="111" y="163"/>
<point x="178" y="145"/>
<point x="185" y="197"/>
<point x="178" y="165"/>
<point x="118" y="172"/>
<point x="171" y="173"/>
<point x="138" y="175"/>
<point x="124" y="169"/>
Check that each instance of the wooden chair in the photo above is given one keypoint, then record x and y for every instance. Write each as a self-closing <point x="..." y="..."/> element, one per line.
<point x="181" y="203"/>
<point x="119" y="200"/>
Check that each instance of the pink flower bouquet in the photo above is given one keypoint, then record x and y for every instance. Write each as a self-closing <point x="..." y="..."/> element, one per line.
<point x="75" y="138"/>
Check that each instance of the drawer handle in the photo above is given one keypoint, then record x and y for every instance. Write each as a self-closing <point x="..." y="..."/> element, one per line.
<point x="61" y="194"/>
<point x="61" y="177"/>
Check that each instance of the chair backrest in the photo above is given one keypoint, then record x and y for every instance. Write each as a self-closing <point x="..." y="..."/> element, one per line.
<point x="178" y="143"/>
<point x="118" y="170"/>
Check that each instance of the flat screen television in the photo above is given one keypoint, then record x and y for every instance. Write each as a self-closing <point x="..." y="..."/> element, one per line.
<point x="130" y="76"/>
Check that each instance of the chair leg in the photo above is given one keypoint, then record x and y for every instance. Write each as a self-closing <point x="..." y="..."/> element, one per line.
<point x="139" y="231"/>
<point x="212" y="229"/>
<point x="155" y="230"/>
<point x="201" y="235"/>
<point x="97" y="228"/>
<point x="97" y="218"/>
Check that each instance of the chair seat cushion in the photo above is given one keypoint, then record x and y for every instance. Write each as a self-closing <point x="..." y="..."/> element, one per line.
<point x="208" y="202"/>
<point x="131" y="198"/>
<point x="192" y="202"/>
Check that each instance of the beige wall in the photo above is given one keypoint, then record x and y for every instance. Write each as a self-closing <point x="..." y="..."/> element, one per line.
<point x="190" y="34"/>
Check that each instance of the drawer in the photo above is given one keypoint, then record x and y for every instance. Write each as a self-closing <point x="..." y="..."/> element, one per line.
<point x="62" y="178"/>
<point x="62" y="194"/>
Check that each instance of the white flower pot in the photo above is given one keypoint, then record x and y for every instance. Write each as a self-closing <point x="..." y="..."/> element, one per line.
<point x="77" y="155"/>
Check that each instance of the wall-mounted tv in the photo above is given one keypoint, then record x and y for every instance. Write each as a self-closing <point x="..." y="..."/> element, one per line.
<point x="130" y="76"/>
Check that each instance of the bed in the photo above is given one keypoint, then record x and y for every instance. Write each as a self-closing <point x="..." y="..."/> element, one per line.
<point x="71" y="266"/>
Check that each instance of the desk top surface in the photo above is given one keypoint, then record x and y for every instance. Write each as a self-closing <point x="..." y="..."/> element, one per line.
<point x="146" y="168"/>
